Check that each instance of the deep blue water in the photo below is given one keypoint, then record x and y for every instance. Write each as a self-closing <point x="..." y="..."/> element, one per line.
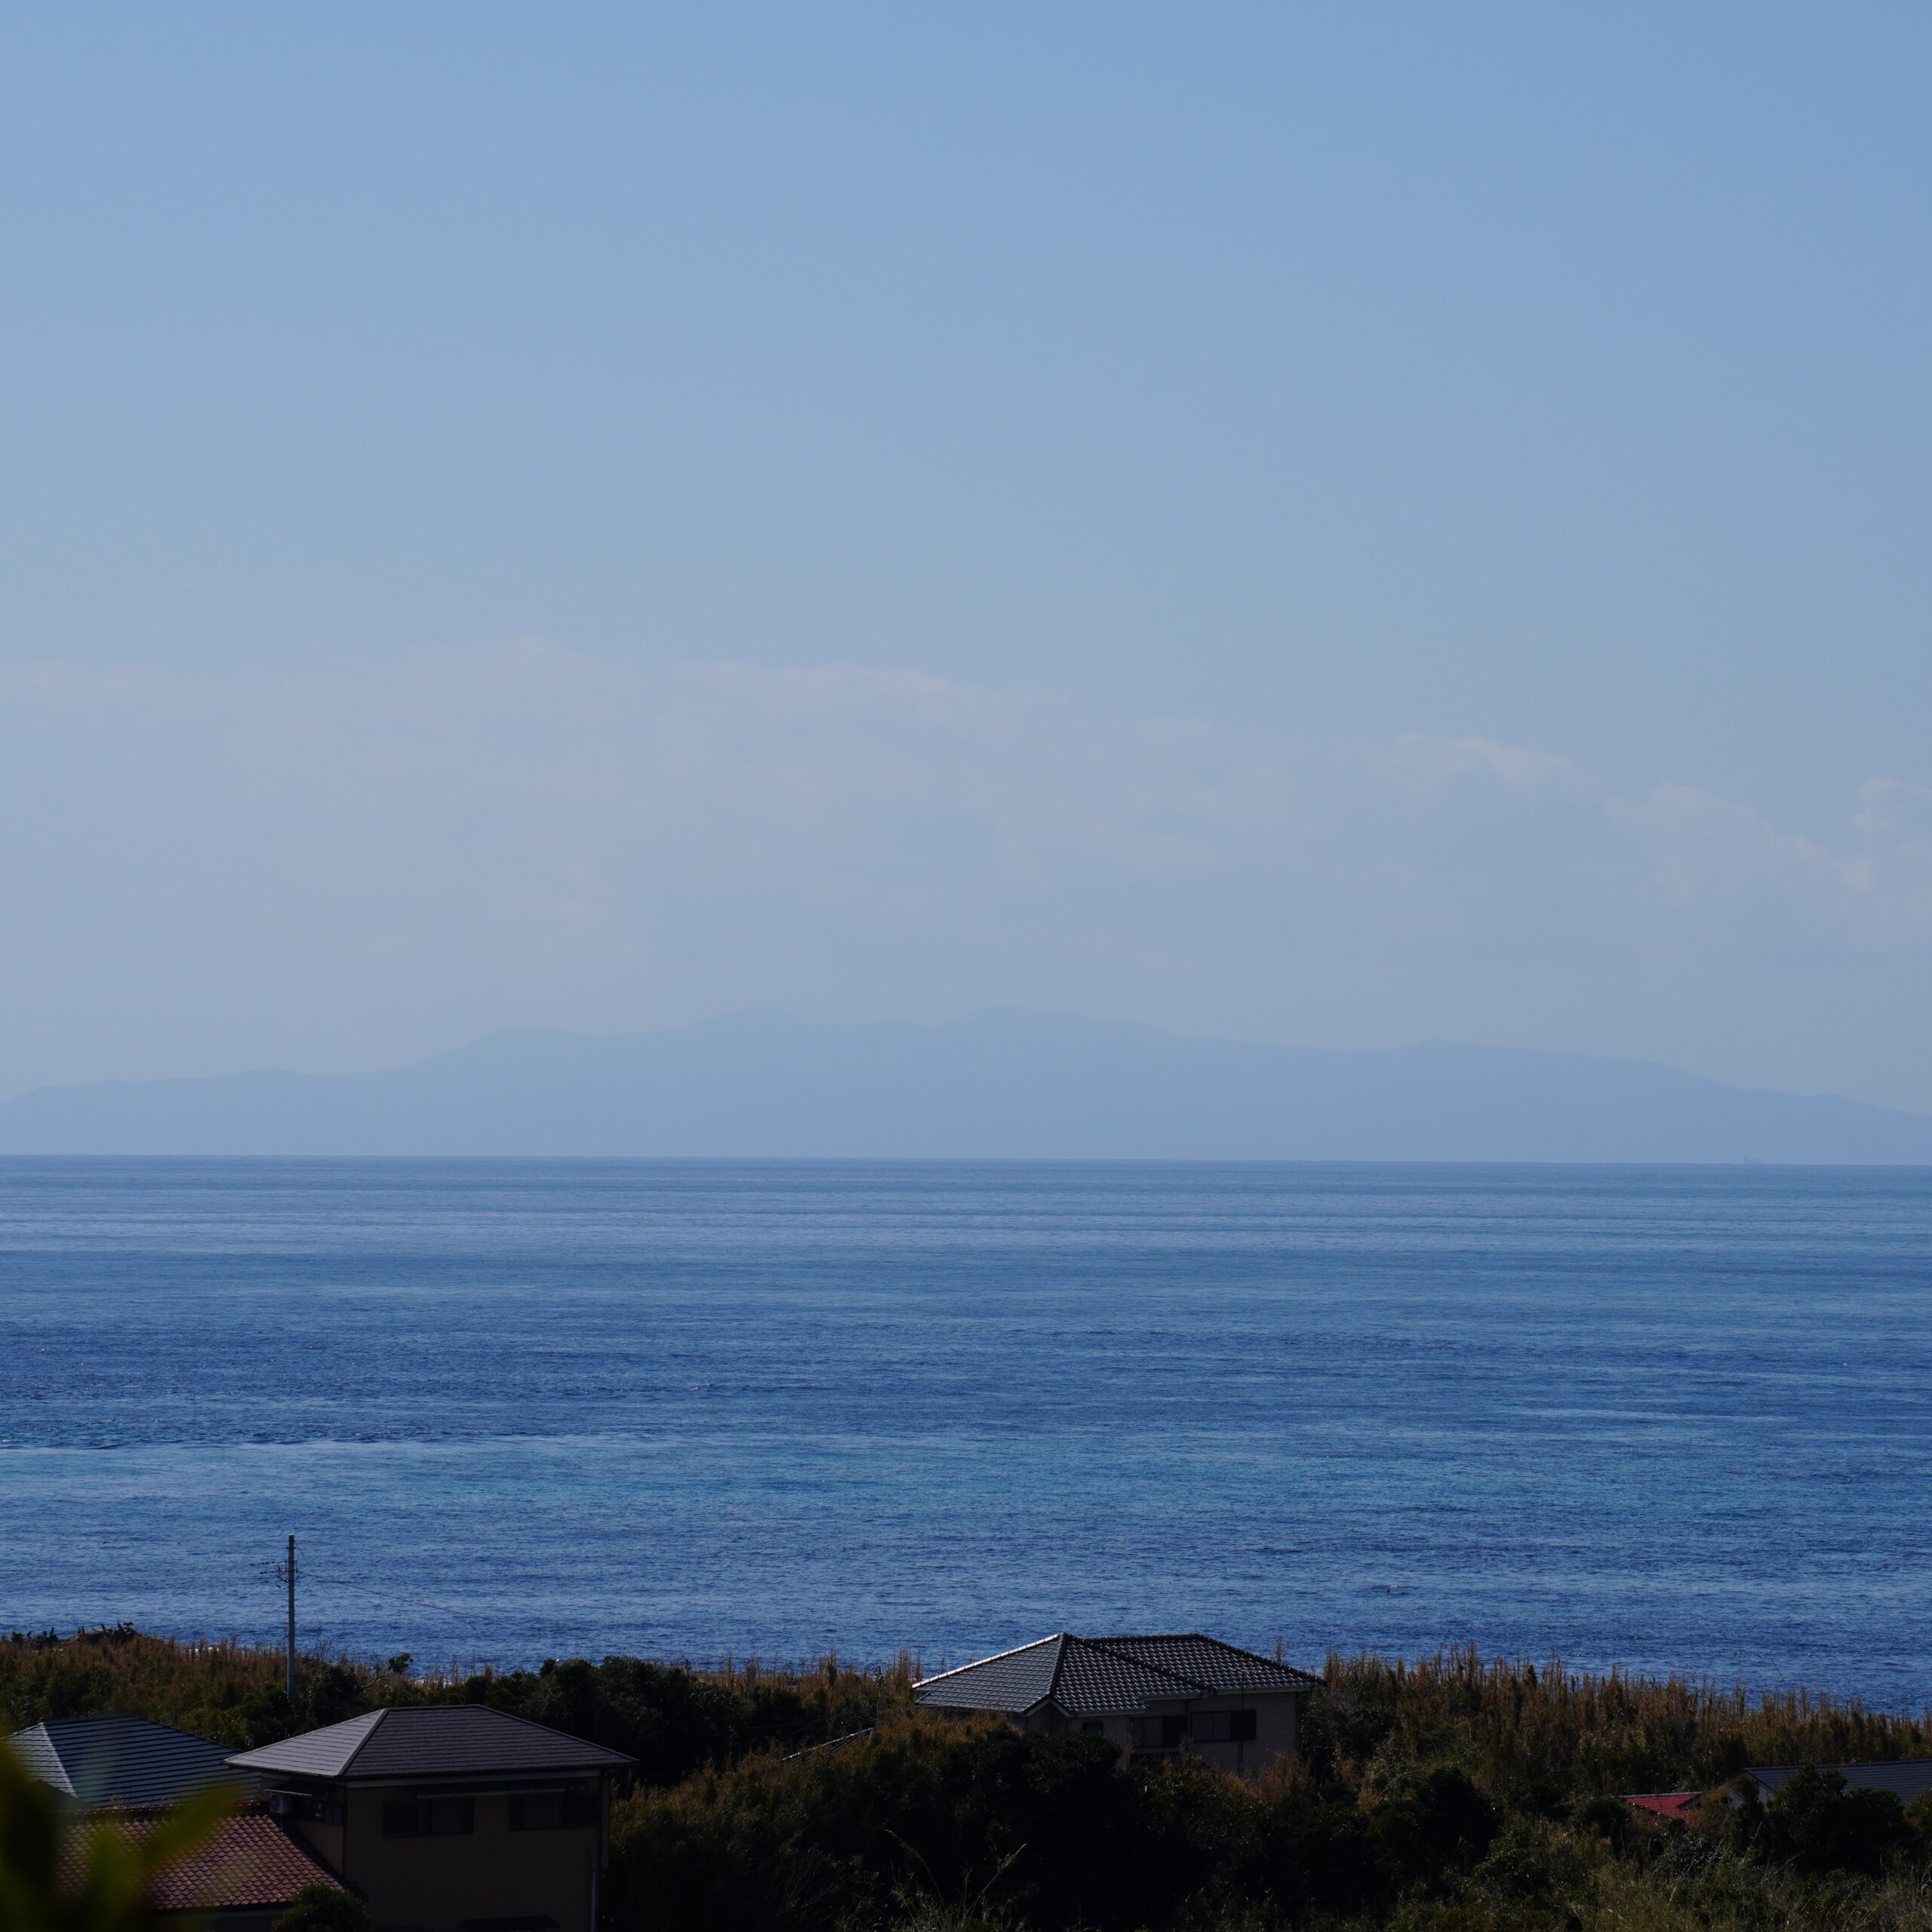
<point x="1677" y="1419"/>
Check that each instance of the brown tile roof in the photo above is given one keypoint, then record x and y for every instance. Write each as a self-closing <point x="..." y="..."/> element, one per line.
<point x="249" y="1861"/>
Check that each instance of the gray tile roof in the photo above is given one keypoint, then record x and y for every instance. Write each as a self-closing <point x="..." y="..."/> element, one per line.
<point x="1096" y="1676"/>
<point x="430" y="1741"/>
<point x="1013" y="1680"/>
<point x="1907" y="1778"/>
<point x="1208" y="1661"/>
<point x="124" y="1763"/>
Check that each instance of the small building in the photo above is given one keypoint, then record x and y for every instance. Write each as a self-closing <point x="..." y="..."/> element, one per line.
<point x="121" y="1773"/>
<point x="1151" y="1696"/>
<point x="1906" y="1778"/>
<point x="117" y="1763"/>
<point x="450" y="1817"/>
<point x="1678" y="1807"/>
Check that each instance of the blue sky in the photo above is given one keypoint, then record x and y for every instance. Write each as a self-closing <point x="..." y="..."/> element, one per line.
<point x="1337" y="524"/>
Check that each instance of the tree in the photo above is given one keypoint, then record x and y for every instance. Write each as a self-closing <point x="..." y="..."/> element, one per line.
<point x="1817" y="1825"/>
<point x="323" y="1908"/>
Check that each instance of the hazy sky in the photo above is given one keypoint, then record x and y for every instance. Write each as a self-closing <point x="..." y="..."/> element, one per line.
<point x="1338" y="524"/>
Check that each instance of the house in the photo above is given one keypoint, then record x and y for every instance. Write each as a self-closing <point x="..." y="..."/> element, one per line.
<point x="122" y="1772"/>
<point x="1906" y="1778"/>
<point x="450" y="1817"/>
<point x="121" y="1764"/>
<point x="1151" y="1696"/>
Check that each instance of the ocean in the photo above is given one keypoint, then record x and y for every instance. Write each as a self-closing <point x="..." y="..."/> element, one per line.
<point x="1671" y="1419"/>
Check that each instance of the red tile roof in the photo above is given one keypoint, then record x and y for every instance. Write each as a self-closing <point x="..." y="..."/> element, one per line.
<point x="250" y="1861"/>
<point x="1666" y="1803"/>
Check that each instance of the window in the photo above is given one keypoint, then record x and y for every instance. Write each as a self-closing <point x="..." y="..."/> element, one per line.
<point x="551" y="1810"/>
<point x="1224" y="1727"/>
<point x="1093" y="1728"/>
<point x="429" y="1818"/>
<point x="537" y="1811"/>
<point x="306" y="1805"/>
<point x="1161" y="1733"/>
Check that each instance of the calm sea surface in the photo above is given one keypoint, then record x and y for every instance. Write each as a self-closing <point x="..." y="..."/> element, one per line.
<point x="1679" y="1418"/>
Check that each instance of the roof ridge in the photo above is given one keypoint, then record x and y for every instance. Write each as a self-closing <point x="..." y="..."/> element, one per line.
<point x="45" y="1753"/>
<point x="1033" y="1643"/>
<point x="381" y="1711"/>
<point x="1060" y="1640"/>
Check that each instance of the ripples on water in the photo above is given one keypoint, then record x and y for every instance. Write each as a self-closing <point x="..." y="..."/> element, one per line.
<point x="1677" y="1419"/>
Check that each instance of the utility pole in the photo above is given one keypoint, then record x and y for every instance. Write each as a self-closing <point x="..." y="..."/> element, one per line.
<point x="291" y="1573"/>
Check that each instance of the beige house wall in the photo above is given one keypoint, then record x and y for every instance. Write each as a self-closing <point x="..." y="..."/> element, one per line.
<point x="436" y="1883"/>
<point x="324" y="1840"/>
<point x="1277" y="1728"/>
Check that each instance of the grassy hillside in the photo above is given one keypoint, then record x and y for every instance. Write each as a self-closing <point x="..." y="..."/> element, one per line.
<point x="1447" y="1796"/>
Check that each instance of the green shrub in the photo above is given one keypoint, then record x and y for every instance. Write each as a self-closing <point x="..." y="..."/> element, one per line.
<point x="323" y="1908"/>
<point x="1813" y="1823"/>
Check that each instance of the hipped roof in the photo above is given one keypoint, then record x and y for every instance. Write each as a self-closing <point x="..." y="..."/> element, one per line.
<point x="122" y="1763"/>
<point x="430" y="1741"/>
<point x="1099" y="1676"/>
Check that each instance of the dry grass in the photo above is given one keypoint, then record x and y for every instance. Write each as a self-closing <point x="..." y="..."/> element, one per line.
<point x="1520" y="1727"/>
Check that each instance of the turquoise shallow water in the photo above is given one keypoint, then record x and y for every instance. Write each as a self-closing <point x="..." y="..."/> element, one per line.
<point x="1672" y="1418"/>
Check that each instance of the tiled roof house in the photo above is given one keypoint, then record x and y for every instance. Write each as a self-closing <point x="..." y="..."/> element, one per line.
<point x="1147" y="1695"/>
<point x="122" y="1772"/>
<point x="450" y="1817"/>
<point x="125" y="1764"/>
<point x="1907" y="1778"/>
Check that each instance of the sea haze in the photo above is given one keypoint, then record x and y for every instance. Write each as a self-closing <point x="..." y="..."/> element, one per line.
<point x="1000" y="1084"/>
<point x="1674" y="1418"/>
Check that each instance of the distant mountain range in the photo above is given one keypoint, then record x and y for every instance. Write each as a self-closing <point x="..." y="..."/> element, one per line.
<point x="997" y="1083"/>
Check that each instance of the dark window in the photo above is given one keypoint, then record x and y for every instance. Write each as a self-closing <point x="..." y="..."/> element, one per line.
<point x="1161" y="1733"/>
<point x="1224" y="1727"/>
<point x="429" y="1818"/>
<point x="1093" y="1728"/>
<point x="551" y="1810"/>
<point x="537" y="1811"/>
